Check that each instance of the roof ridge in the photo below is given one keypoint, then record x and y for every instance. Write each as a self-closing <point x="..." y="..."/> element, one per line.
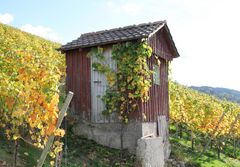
<point x="120" y="28"/>
<point x="120" y="34"/>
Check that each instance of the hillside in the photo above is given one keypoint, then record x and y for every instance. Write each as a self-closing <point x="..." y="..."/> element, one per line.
<point x="191" y="111"/>
<point x="221" y="93"/>
<point x="80" y="152"/>
<point x="203" y="123"/>
<point x="31" y="70"/>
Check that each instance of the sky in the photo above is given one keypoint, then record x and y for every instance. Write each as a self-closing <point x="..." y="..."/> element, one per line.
<point x="206" y="32"/>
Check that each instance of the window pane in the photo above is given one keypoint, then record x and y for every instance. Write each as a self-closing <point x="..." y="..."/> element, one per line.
<point x="156" y="74"/>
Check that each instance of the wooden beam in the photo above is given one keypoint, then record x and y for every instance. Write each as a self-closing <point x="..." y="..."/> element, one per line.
<point x="51" y="138"/>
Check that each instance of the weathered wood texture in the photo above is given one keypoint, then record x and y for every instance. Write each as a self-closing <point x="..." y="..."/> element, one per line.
<point x="87" y="84"/>
<point x="160" y="44"/>
<point x="78" y="81"/>
<point x="162" y="126"/>
<point x="99" y="86"/>
<point x="158" y="101"/>
<point x="158" y="104"/>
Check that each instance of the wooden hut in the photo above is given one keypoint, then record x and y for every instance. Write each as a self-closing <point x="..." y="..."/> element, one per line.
<point x="88" y="85"/>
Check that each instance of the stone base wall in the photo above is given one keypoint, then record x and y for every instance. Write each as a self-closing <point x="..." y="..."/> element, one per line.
<point x="109" y="134"/>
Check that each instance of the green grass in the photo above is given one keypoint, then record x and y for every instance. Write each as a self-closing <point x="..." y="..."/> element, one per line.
<point x="92" y="154"/>
<point x="182" y="151"/>
<point x="27" y="154"/>
<point x="81" y="152"/>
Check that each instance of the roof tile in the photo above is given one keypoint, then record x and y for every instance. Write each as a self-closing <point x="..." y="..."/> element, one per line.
<point x="113" y="35"/>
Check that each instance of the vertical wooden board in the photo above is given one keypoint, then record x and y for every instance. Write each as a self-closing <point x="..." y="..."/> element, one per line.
<point x="162" y="127"/>
<point x="160" y="45"/>
<point x="75" y="86"/>
<point x="71" y="71"/>
<point x="88" y="91"/>
<point x="80" y="78"/>
<point x="162" y="98"/>
<point x="165" y="46"/>
<point x="165" y="88"/>
<point x="77" y="70"/>
<point x="71" y="78"/>
<point x="68" y="72"/>
<point x="151" y="102"/>
<point x="75" y="80"/>
<point x="83" y="86"/>
<point x="98" y="88"/>
<point x="166" y="91"/>
<point x="159" y="100"/>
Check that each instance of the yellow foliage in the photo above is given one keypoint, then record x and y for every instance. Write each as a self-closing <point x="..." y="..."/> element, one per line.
<point x="131" y="82"/>
<point x="59" y="132"/>
<point x="52" y="163"/>
<point x="201" y="112"/>
<point x="31" y="69"/>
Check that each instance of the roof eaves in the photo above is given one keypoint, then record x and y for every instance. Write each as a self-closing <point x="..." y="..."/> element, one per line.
<point x="172" y="42"/>
<point x="102" y="43"/>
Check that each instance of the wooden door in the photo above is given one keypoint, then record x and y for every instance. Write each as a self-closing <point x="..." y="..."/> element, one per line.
<point x="98" y="87"/>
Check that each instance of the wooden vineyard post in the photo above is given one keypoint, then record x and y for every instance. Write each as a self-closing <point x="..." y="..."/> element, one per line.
<point x="214" y="131"/>
<point x="51" y="138"/>
<point x="218" y="148"/>
<point x="234" y="147"/>
<point x="230" y="131"/>
<point x="232" y="125"/>
<point x="176" y="133"/>
<point x="219" y="142"/>
<point x="15" y="153"/>
<point x="192" y="140"/>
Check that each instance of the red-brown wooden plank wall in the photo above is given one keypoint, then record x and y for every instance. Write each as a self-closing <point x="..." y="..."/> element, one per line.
<point x="158" y="103"/>
<point x="78" y="81"/>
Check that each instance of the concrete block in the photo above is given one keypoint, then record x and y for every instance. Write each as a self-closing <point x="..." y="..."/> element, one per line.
<point x="150" y="152"/>
<point x="109" y="134"/>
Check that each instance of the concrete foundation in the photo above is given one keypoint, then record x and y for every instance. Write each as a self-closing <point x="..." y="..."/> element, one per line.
<point x="109" y="134"/>
<point x="151" y="128"/>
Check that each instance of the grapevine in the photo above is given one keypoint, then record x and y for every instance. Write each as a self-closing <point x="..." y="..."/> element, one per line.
<point x="30" y="71"/>
<point x="130" y="84"/>
<point x="201" y="112"/>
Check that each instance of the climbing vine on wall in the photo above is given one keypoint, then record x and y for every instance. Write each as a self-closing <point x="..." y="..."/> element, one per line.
<point x="130" y="83"/>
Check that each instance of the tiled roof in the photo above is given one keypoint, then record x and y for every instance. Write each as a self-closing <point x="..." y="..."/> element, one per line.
<point x="114" y="35"/>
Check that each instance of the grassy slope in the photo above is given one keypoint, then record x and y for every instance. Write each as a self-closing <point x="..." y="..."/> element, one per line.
<point x="181" y="150"/>
<point x="83" y="152"/>
<point x="80" y="152"/>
